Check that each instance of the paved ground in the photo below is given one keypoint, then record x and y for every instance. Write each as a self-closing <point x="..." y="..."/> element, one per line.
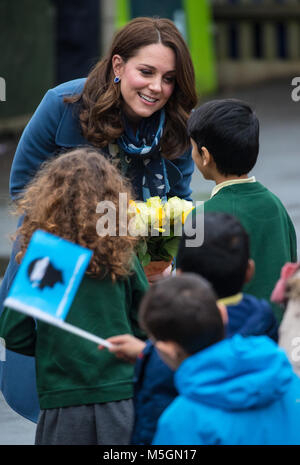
<point x="14" y="429"/>
<point x="277" y="168"/>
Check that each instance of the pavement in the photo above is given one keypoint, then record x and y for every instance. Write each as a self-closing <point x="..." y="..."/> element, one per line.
<point x="14" y="429"/>
<point x="277" y="168"/>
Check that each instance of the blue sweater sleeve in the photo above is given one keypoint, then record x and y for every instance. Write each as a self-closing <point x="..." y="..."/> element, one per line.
<point x="185" y="164"/>
<point x="37" y="142"/>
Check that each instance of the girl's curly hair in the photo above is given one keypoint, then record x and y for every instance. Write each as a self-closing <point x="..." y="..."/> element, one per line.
<point x="62" y="199"/>
<point x="100" y="103"/>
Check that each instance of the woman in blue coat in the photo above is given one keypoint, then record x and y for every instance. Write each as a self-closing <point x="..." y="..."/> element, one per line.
<point x="133" y="106"/>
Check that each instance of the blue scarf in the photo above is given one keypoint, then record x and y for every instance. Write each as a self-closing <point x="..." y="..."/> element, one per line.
<point x="141" y="153"/>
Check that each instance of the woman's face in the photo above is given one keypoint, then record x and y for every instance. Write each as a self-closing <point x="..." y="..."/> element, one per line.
<point x="147" y="80"/>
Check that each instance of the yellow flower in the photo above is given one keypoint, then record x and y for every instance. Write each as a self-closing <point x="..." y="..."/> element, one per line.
<point x="177" y="209"/>
<point x="145" y="212"/>
<point x="154" y="214"/>
<point x="186" y="212"/>
<point x="154" y="202"/>
<point x="137" y="226"/>
<point x="133" y="208"/>
<point x="160" y="215"/>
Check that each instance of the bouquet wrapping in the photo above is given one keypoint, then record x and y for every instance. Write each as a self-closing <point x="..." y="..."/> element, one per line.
<point x="160" y="226"/>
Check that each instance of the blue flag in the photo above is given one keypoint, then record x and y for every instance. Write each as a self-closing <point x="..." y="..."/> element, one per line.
<point x="47" y="281"/>
<point x="49" y="275"/>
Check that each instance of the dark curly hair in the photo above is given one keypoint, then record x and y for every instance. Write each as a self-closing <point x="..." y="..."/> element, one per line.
<point x="62" y="199"/>
<point x="100" y="102"/>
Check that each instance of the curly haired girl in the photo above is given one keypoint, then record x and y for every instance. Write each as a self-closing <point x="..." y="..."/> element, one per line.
<point x="134" y="105"/>
<point x="85" y="398"/>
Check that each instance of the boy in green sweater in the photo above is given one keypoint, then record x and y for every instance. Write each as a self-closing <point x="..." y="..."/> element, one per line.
<point x="225" y="139"/>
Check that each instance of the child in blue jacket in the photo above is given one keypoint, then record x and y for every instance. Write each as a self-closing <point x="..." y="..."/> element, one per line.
<point x="232" y="391"/>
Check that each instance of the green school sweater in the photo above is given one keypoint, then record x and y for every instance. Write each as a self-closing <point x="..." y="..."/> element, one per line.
<point x="71" y="370"/>
<point x="271" y="232"/>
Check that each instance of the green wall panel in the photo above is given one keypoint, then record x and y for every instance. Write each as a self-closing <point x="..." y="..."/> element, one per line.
<point x="27" y="54"/>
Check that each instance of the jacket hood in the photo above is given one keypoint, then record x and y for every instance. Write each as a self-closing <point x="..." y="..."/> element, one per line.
<point x="236" y="374"/>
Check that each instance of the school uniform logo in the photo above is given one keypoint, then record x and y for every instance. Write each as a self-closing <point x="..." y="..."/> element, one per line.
<point x="42" y="273"/>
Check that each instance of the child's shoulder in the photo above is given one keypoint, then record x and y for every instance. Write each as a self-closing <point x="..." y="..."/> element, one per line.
<point x="245" y="195"/>
<point x="238" y="189"/>
<point x="254" y="304"/>
<point x="252" y="316"/>
<point x="136" y="277"/>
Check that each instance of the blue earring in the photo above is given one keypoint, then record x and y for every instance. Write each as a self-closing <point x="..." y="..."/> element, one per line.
<point x="117" y="80"/>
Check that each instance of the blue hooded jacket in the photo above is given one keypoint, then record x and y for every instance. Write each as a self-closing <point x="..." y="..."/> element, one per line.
<point x="154" y="380"/>
<point x="236" y="392"/>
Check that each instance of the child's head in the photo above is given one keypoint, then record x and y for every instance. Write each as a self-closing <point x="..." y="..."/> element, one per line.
<point x="62" y="199"/>
<point x="223" y="258"/>
<point x="228" y="131"/>
<point x="181" y="315"/>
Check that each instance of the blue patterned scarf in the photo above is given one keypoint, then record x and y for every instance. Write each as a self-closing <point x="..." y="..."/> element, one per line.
<point x="148" y="170"/>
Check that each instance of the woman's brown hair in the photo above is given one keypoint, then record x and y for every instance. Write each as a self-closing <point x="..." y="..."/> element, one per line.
<point x="62" y="199"/>
<point x="101" y="99"/>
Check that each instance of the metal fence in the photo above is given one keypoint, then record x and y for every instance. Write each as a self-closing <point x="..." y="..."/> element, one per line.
<point x="256" y="39"/>
<point x="27" y="59"/>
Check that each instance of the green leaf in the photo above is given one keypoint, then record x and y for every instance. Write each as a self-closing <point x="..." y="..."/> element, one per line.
<point x="172" y="245"/>
<point x="142" y="247"/>
<point x="145" y="260"/>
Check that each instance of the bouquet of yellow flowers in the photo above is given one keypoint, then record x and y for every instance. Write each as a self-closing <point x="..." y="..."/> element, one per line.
<point x="160" y="227"/>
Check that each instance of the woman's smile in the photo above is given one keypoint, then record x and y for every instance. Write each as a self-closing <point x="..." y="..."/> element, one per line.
<point x="148" y="100"/>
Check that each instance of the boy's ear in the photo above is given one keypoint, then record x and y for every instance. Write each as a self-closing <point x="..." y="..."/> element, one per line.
<point x="250" y="270"/>
<point x="206" y="156"/>
<point x="224" y="313"/>
<point x="171" y="353"/>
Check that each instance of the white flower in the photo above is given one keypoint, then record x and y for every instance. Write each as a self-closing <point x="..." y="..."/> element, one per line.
<point x="177" y="209"/>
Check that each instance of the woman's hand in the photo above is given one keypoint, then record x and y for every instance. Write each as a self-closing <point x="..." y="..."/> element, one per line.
<point x="125" y="346"/>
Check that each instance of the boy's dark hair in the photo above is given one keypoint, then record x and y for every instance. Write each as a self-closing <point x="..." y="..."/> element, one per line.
<point x="182" y="309"/>
<point x="229" y="129"/>
<point x="223" y="257"/>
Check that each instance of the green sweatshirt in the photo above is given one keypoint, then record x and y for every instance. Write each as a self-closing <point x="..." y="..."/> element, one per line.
<point x="271" y="231"/>
<point x="71" y="370"/>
